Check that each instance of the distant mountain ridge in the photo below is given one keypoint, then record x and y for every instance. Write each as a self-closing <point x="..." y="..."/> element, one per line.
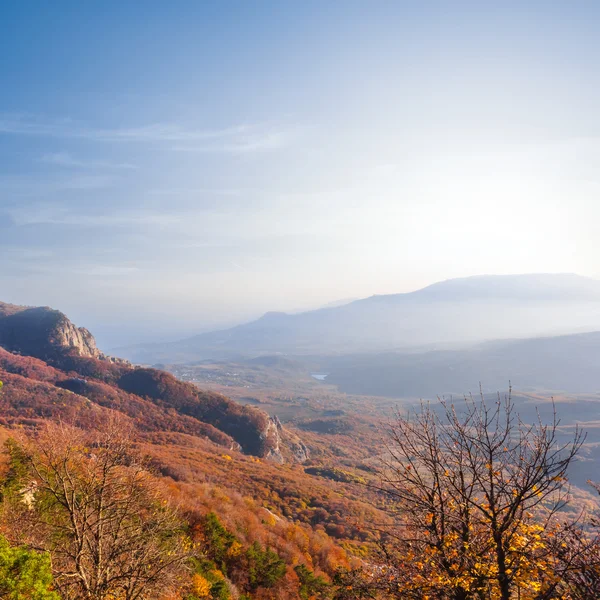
<point x="456" y="311"/>
<point x="553" y="286"/>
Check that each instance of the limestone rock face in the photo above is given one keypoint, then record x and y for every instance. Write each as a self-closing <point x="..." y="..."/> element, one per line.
<point x="284" y="445"/>
<point x="44" y="333"/>
<point x="300" y="451"/>
<point x="79" y="339"/>
<point x="272" y="441"/>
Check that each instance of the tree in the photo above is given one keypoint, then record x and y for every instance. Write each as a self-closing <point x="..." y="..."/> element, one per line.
<point x="354" y="583"/>
<point x="476" y="492"/>
<point x="578" y="553"/>
<point x="265" y="568"/>
<point x="220" y="544"/>
<point x="311" y="585"/>
<point x="89" y="500"/>
<point x="24" y="574"/>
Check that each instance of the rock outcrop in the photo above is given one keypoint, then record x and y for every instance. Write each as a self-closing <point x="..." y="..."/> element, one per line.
<point x="284" y="445"/>
<point x="44" y="333"/>
<point x="272" y="440"/>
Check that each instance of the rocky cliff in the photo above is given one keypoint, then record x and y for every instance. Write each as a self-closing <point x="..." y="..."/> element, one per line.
<point x="44" y="333"/>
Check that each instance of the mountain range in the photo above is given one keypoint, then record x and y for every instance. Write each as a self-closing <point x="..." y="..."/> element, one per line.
<point x="451" y="313"/>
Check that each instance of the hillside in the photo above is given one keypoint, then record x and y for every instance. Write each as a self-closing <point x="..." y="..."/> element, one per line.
<point x="453" y="312"/>
<point x="44" y="359"/>
<point x="211" y="455"/>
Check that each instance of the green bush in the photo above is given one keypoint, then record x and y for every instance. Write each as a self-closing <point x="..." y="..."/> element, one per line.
<point x="310" y="584"/>
<point x="265" y="568"/>
<point x="219" y="590"/>
<point x="218" y="541"/>
<point x="24" y="574"/>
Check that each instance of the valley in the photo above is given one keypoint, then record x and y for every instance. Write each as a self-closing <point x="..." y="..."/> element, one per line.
<point x="352" y="423"/>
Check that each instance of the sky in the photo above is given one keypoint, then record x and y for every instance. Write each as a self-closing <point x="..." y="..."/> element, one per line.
<point x="170" y="168"/>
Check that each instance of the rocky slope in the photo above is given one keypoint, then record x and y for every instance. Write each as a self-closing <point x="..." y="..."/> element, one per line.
<point x="51" y="368"/>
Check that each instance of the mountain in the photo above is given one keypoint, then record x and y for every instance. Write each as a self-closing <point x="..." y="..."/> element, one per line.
<point x="336" y="303"/>
<point x="453" y="312"/>
<point x="569" y="363"/>
<point x="52" y="369"/>
<point x="43" y="332"/>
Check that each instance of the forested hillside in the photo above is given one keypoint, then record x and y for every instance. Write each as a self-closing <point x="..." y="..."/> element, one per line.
<point x="252" y="521"/>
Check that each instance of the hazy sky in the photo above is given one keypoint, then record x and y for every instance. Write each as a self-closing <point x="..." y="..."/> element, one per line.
<point x="167" y="167"/>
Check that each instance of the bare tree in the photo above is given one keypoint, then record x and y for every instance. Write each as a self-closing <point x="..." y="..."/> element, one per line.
<point x="477" y="493"/>
<point x="89" y="500"/>
<point x="578" y="553"/>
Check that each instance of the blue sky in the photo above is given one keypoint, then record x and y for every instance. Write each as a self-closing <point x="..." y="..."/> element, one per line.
<point x="167" y="168"/>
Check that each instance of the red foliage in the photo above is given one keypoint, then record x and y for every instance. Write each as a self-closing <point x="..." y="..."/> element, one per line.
<point x="246" y="425"/>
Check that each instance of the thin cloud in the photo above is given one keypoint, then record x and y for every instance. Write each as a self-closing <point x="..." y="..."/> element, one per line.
<point x="107" y="271"/>
<point x="245" y="144"/>
<point x="57" y="215"/>
<point x="182" y="191"/>
<point x="63" y="159"/>
<point x="237" y="139"/>
<point x="82" y="269"/>
<point x="26" y="186"/>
